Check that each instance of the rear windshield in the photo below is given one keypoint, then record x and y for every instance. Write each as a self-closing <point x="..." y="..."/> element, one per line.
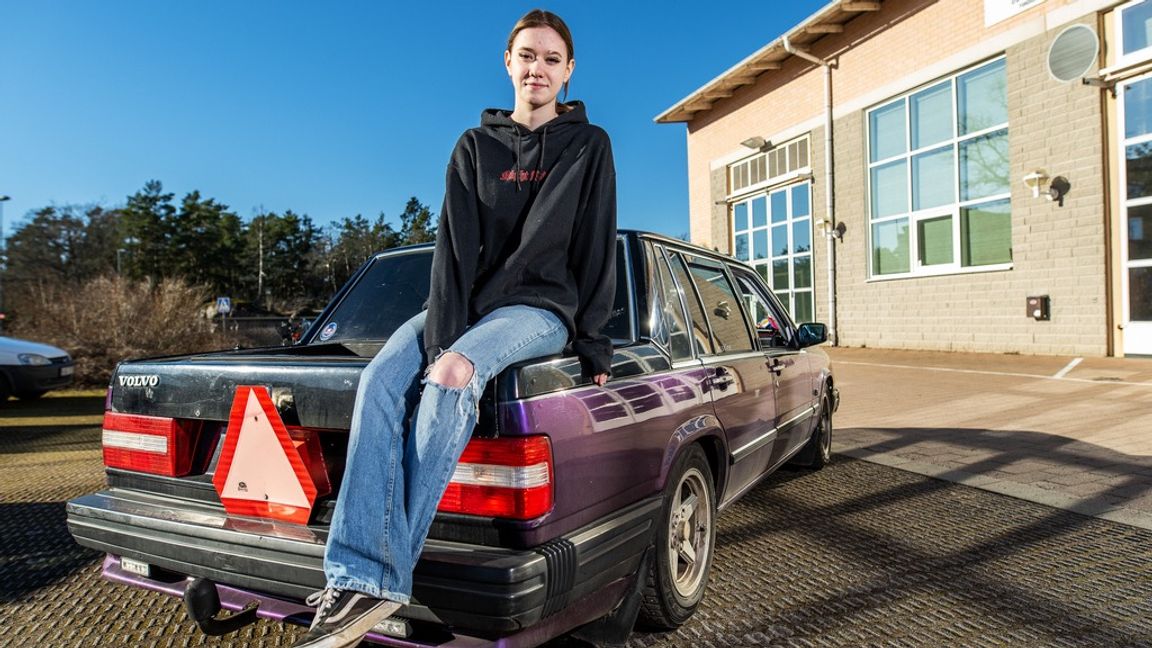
<point x="395" y="287"/>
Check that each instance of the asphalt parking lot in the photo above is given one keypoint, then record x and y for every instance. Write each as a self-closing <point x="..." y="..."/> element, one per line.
<point x="860" y="553"/>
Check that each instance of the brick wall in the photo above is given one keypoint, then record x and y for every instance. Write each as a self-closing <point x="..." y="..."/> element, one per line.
<point x="875" y="49"/>
<point x="1057" y="251"/>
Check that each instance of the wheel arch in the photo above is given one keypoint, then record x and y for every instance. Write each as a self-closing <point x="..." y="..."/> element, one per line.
<point x="717" y="455"/>
<point x="706" y="432"/>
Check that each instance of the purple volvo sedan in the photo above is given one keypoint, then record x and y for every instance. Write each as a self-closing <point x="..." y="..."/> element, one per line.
<point x="574" y="509"/>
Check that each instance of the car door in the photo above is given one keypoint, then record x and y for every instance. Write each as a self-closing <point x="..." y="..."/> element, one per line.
<point x="776" y="337"/>
<point x="741" y="383"/>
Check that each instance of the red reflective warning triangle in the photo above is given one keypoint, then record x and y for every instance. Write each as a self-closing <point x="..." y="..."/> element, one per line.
<point x="260" y="472"/>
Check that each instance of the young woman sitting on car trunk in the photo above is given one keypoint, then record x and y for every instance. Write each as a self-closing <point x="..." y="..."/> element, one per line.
<point x="524" y="266"/>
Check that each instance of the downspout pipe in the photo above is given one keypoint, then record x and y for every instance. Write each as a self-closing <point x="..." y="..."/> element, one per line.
<point x="829" y="182"/>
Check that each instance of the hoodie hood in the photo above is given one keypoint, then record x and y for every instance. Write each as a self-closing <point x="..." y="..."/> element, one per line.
<point x="500" y="124"/>
<point x="501" y="118"/>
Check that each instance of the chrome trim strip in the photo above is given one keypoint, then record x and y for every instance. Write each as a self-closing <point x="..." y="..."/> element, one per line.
<point x="718" y="359"/>
<point x="802" y="415"/>
<point x="748" y="448"/>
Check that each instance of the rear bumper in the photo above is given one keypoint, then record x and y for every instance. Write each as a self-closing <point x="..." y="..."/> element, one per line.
<point x="486" y="591"/>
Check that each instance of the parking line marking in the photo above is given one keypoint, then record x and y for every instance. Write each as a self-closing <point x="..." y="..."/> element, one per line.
<point x="994" y="373"/>
<point x="1068" y="367"/>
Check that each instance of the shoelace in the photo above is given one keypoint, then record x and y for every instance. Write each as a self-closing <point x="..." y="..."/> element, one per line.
<point x="322" y="601"/>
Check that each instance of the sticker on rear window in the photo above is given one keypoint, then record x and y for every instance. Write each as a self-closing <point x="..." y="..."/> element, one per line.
<point x="328" y="331"/>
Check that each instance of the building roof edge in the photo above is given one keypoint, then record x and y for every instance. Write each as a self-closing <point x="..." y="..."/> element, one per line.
<point x="827" y="20"/>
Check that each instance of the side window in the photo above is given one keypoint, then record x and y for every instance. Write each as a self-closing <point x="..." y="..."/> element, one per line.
<point x="721" y="305"/>
<point x="619" y="324"/>
<point x="656" y="318"/>
<point x="680" y="341"/>
<point x="701" y="334"/>
<point x="771" y="327"/>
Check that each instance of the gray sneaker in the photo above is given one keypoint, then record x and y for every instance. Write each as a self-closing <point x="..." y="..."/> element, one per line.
<point x="343" y="618"/>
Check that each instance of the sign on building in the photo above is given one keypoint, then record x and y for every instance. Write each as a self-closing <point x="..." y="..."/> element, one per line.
<point x="997" y="10"/>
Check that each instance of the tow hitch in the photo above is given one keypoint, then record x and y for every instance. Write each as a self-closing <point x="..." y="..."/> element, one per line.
<point x="203" y="604"/>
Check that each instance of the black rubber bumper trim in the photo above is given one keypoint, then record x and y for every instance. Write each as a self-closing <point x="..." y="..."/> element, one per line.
<point x="489" y="589"/>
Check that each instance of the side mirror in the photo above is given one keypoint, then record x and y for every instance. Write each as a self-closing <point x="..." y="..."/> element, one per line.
<point x="811" y="334"/>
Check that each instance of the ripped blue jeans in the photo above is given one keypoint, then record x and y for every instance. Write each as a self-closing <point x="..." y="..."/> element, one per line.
<point x="396" y="473"/>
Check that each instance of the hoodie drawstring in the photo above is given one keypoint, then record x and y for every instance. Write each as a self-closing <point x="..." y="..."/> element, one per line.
<point x="543" y="150"/>
<point x="518" y="136"/>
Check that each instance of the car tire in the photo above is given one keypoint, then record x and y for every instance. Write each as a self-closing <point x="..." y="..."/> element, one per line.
<point x="685" y="538"/>
<point x="30" y="395"/>
<point x="5" y="390"/>
<point x="817" y="453"/>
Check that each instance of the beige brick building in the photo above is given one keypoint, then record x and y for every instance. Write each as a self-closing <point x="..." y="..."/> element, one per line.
<point x="984" y="152"/>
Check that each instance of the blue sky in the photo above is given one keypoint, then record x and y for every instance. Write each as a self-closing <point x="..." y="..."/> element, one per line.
<point x="333" y="109"/>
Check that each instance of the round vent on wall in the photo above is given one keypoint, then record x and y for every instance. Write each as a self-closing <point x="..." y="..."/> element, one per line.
<point x="1073" y="53"/>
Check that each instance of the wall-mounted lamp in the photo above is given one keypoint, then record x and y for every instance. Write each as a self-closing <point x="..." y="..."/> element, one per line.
<point x="757" y="143"/>
<point x="828" y="230"/>
<point x="1051" y="188"/>
<point x="1036" y="181"/>
<point x="1058" y="188"/>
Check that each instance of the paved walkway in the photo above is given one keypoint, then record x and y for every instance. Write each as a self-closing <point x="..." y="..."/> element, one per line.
<point x="1071" y="433"/>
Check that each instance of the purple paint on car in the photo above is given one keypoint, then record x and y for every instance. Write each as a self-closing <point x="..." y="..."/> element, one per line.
<point x="713" y="388"/>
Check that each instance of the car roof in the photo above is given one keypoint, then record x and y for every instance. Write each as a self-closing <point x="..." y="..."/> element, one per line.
<point x="627" y="232"/>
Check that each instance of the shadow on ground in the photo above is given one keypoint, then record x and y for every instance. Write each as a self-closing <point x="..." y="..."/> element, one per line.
<point x="1100" y="476"/>
<point x="69" y="404"/>
<point x="36" y="549"/>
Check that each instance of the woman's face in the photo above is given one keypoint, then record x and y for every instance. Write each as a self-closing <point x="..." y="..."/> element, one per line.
<point x="539" y="66"/>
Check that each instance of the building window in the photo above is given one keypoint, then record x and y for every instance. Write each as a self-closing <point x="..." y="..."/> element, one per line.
<point x="1136" y="230"/>
<point x="772" y="231"/>
<point x="1135" y="30"/>
<point x="769" y="167"/>
<point x="938" y="176"/>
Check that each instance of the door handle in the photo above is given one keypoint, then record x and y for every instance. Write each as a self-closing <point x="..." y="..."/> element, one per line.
<point x="776" y="366"/>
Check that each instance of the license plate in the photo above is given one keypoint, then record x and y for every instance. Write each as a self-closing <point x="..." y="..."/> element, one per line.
<point x="394" y="627"/>
<point x="137" y="567"/>
<point x="67" y="371"/>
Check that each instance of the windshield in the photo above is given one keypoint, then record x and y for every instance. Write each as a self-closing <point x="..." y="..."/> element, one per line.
<point x="395" y="287"/>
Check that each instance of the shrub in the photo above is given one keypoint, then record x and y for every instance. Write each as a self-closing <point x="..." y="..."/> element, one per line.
<point x="109" y="319"/>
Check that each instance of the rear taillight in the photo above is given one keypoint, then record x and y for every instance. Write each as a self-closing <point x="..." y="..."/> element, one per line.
<point x="307" y="444"/>
<point x="151" y="444"/>
<point x="508" y="477"/>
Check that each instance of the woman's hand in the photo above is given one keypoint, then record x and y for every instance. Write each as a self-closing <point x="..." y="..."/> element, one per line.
<point x="600" y="379"/>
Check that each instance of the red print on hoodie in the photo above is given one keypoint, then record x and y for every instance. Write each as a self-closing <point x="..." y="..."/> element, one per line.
<point x="534" y="175"/>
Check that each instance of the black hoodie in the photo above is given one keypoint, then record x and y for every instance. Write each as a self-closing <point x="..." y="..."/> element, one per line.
<point x="529" y="218"/>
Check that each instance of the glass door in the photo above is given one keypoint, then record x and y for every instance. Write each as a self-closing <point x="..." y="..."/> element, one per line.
<point x="1136" y="218"/>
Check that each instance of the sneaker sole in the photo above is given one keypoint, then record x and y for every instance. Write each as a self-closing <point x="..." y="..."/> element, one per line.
<point x="354" y="632"/>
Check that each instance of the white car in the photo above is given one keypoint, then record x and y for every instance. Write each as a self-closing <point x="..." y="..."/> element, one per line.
<point x="30" y="369"/>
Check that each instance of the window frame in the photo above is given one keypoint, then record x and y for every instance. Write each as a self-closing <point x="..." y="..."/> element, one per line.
<point x="1126" y="204"/>
<point x="777" y="309"/>
<point x="1138" y="56"/>
<point x="662" y="255"/>
<point x="912" y="217"/>
<point x="721" y="267"/>
<point x="793" y="154"/>
<point x="789" y="222"/>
